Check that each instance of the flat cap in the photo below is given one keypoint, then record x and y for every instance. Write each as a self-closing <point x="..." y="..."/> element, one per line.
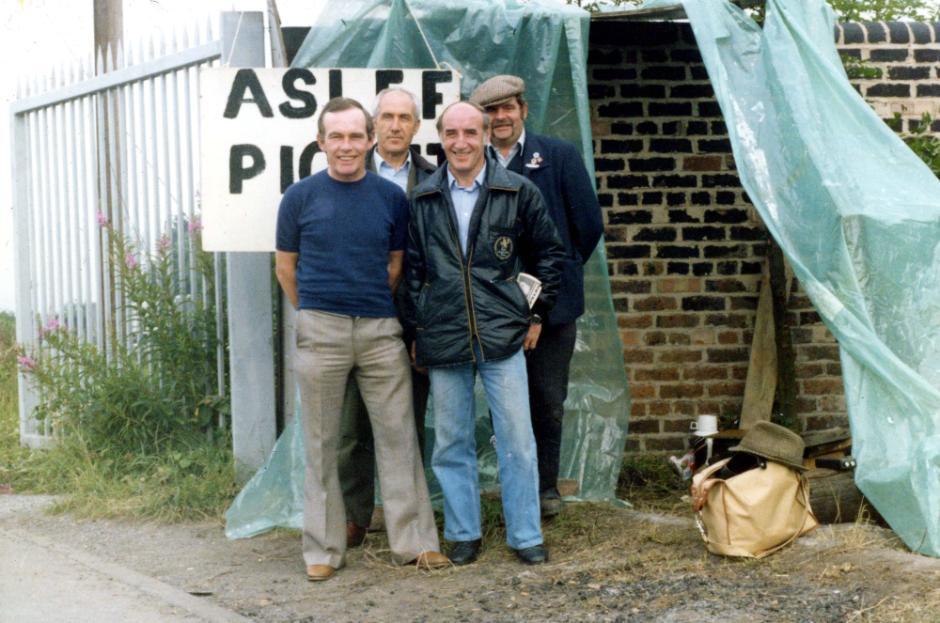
<point x="497" y="90"/>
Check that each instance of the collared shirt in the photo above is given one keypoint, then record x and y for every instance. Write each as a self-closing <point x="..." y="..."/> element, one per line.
<point x="464" y="198"/>
<point x="399" y="176"/>
<point x="516" y="149"/>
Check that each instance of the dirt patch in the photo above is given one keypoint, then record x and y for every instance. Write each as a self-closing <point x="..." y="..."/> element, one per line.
<point x="607" y="565"/>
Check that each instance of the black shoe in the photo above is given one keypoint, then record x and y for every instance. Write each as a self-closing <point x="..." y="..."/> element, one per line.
<point x="534" y="555"/>
<point x="464" y="552"/>
<point x="550" y="503"/>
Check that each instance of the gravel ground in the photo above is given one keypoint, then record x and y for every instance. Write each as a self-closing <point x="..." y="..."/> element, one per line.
<point x="607" y="565"/>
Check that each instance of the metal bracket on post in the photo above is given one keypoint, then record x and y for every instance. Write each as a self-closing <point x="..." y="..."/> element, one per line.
<point x="250" y="317"/>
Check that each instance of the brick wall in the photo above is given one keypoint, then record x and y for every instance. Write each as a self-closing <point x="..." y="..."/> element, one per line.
<point x="685" y="248"/>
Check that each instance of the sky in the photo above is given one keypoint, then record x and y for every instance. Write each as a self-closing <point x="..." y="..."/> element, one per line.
<point x="41" y="34"/>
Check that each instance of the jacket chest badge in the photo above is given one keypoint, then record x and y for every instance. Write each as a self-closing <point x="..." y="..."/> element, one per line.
<point x="536" y="161"/>
<point x="502" y="248"/>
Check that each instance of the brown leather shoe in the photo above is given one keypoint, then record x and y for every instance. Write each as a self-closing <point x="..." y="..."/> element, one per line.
<point x="355" y="534"/>
<point x="319" y="573"/>
<point x="431" y="560"/>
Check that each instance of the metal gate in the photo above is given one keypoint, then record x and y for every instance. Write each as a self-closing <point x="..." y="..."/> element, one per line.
<point x="121" y="145"/>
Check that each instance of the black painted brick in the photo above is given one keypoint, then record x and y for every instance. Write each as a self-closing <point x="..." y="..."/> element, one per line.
<point x="747" y="233"/>
<point x="727" y="268"/>
<point x="921" y="33"/>
<point x="908" y="73"/>
<point x="714" y="146"/>
<point x="621" y="127"/>
<point x="889" y="90"/>
<point x="620" y="109"/>
<point x="701" y="199"/>
<point x="602" y="74"/>
<point x="701" y="269"/>
<point x="647" y="127"/>
<point x="851" y="53"/>
<point x="677" y="268"/>
<point x="681" y="216"/>
<point x="670" y="128"/>
<point x="751" y="268"/>
<point x="653" y="91"/>
<point x="670" y="146"/>
<point x="719" y="127"/>
<point x="928" y="90"/>
<point x="608" y="56"/>
<point x="703" y="233"/>
<point x="655" y="234"/>
<point x="654" y="55"/>
<point x="633" y="251"/>
<point x="899" y="32"/>
<point x="598" y="91"/>
<point x="709" y="109"/>
<point x="696" y="128"/>
<point x="652" y="199"/>
<point x="676" y="252"/>
<point x="608" y="164"/>
<point x="641" y="165"/>
<point x="628" y="181"/>
<point x="675" y="199"/>
<point x="716" y="251"/>
<point x="664" y="72"/>
<point x="888" y="56"/>
<point x="605" y="200"/>
<point x="675" y="181"/>
<point x="723" y="180"/>
<point x="927" y="55"/>
<point x="628" y="199"/>
<point x="703" y="303"/>
<point x="698" y="72"/>
<point x="726" y="215"/>
<point x="631" y="146"/>
<point x="724" y="198"/>
<point x="687" y="55"/>
<point x="876" y="32"/>
<point x="691" y="91"/>
<point x="851" y="33"/>
<point x="670" y="109"/>
<point x="629" y="217"/>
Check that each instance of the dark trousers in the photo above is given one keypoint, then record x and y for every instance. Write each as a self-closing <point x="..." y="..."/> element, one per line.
<point x="547" y="366"/>
<point x="356" y="454"/>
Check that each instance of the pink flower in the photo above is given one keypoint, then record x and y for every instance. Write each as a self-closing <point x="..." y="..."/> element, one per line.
<point x="26" y="362"/>
<point x="102" y="218"/>
<point x="51" y="325"/>
<point x="130" y="261"/>
<point x="195" y="226"/>
<point x="164" y="243"/>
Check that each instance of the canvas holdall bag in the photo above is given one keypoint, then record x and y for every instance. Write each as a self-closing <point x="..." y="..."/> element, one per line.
<point x="752" y="514"/>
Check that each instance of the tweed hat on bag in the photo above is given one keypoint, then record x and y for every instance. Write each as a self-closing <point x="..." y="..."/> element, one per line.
<point x="497" y="90"/>
<point x="774" y="443"/>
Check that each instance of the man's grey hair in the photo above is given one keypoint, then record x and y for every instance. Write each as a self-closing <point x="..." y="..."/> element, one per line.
<point x="381" y="94"/>
<point x="486" y="117"/>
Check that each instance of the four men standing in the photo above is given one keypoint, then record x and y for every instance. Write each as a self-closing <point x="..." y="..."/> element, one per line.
<point x="475" y="225"/>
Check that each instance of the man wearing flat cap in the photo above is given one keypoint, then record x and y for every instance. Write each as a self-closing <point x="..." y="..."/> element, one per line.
<point x="556" y="168"/>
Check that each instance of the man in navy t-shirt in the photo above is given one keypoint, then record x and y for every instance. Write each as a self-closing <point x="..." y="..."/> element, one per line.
<point x="340" y="244"/>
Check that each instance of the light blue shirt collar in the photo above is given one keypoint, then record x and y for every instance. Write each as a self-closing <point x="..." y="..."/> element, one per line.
<point x="398" y="176"/>
<point x="465" y="199"/>
<point x="516" y="149"/>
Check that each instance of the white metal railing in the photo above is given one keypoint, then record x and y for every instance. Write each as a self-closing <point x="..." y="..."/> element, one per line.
<point x="139" y="113"/>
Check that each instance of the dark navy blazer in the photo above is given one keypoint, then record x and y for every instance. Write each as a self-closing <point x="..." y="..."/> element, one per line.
<point x="559" y="173"/>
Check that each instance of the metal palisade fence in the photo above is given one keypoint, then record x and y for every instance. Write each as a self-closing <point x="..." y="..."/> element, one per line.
<point x="119" y="144"/>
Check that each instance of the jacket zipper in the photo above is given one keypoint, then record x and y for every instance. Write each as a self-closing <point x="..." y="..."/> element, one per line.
<point x="465" y="272"/>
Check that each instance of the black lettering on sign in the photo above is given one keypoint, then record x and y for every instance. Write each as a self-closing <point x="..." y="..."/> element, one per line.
<point x="308" y="102"/>
<point x="336" y="83"/>
<point x="238" y="172"/>
<point x="246" y="80"/>
<point x="386" y="77"/>
<point x="306" y="159"/>
<point x="434" y="150"/>
<point x="430" y="98"/>
<point x="287" y="167"/>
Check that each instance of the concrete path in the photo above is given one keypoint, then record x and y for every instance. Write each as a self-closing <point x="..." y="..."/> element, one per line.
<point x="43" y="581"/>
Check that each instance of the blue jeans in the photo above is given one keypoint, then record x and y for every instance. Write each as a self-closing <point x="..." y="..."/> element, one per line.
<point x="455" y="458"/>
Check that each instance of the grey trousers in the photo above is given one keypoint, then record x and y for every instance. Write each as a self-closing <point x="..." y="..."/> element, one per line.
<point x="330" y="347"/>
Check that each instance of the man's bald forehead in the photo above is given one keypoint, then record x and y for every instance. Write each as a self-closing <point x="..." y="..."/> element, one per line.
<point x="484" y="118"/>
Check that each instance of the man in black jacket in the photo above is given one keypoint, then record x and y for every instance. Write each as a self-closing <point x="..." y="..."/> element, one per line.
<point x="556" y="168"/>
<point x="397" y="119"/>
<point x="474" y="228"/>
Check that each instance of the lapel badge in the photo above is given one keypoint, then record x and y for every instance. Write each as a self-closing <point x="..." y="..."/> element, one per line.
<point x="536" y="161"/>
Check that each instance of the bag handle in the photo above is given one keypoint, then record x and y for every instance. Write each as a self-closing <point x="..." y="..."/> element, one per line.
<point x="702" y="483"/>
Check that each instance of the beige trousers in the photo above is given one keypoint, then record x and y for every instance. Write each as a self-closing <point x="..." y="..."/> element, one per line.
<point x="330" y="347"/>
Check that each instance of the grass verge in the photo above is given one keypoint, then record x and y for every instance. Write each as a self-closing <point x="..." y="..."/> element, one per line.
<point x="182" y="484"/>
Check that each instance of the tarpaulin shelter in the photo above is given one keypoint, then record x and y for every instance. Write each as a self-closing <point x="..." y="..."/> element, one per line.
<point x="546" y="43"/>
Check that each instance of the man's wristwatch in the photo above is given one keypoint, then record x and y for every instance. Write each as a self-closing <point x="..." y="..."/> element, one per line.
<point x="535" y="319"/>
